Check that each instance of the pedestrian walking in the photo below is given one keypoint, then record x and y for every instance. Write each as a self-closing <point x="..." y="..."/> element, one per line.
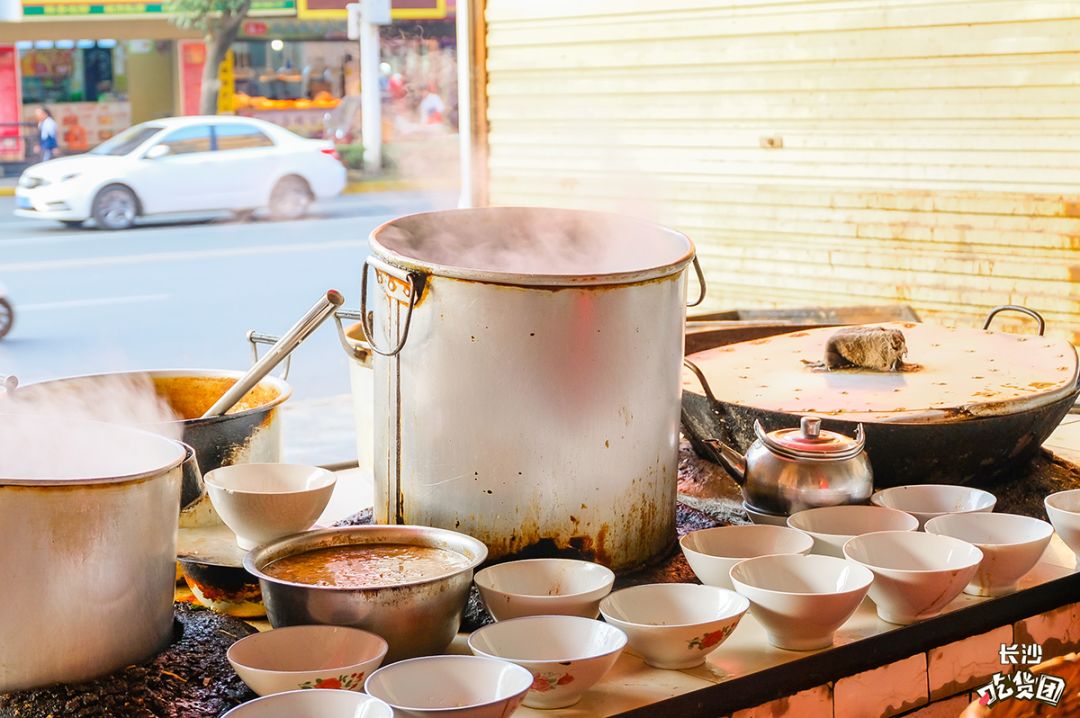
<point x="46" y="134"/>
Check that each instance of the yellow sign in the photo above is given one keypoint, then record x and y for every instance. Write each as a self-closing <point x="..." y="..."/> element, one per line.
<point x="399" y="10"/>
<point x="226" y="98"/>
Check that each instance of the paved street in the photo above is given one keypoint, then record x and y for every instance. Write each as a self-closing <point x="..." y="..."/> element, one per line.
<point x="183" y="294"/>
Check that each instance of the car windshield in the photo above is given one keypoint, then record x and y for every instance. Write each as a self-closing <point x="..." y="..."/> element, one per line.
<point x="127" y="140"/>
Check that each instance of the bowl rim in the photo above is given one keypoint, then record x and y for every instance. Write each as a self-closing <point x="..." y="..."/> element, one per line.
<point x="311" y="691"/>
<point x="605" y="587"/>
<point x="877" y="508"/>
<point x="875" y="498"/>
<point x="1056" y="494"/>
<point x="736" y="615"/>
<point x="455" y="657"/>
<point x="979" y="544"/>
<point x="491" y="627"/>
<point x="753" y="529"/>
<point x="255" y="554"/>
<point x="873" y="566"/>
<point x="863" y="587"/>
<point x="319" y="628"/>
<point x="326" y="478"/>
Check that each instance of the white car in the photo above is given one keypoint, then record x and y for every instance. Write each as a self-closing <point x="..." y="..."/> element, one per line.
<point x="183" y="164"/>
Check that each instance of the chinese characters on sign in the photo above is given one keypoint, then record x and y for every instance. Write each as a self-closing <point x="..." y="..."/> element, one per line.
<point x="1022" y="684"/>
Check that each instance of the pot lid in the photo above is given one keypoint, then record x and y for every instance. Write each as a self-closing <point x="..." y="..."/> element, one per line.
<point x="959" y="373"/>
<point x="810" y="441"/>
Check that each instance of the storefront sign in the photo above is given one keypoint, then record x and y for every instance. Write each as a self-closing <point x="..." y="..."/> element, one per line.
<point x="45" y="9"/>
<point x="400" y="9"/>
<point x="11" y="145"/>
<point x="226" y="99"/>
<point x="192" y="58"/>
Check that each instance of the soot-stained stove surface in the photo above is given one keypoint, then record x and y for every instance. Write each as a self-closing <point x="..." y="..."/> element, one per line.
<point x="191" y="678"/>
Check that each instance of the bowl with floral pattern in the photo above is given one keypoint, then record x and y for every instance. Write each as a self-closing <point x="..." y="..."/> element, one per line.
<point x="674" y="625"/>
<point x="566" y="655"/>
<point x="306" y="657"/>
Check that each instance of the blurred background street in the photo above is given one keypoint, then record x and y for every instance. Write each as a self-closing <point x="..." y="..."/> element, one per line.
<point x="183" y="294"/>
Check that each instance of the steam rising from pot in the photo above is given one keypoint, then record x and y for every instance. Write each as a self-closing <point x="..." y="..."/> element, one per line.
<point x="536" y="241"/>
<point x="55" y="430"/>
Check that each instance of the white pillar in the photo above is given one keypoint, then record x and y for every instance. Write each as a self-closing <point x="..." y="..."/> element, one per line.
<point x="370" y="96"/>
<point x="464" y="83"/>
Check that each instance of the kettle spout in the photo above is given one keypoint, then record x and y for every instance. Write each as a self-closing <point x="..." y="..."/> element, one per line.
<point x="730" y="459"/>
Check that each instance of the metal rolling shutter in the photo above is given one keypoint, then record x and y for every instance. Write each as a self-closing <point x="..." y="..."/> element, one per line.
<point x="849" y="152"/>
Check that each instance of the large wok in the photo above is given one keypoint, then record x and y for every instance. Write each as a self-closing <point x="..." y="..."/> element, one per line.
<point x="965" y="443"/>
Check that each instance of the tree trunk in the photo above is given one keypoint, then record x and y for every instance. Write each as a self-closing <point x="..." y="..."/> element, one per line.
<point x="219" y="38"/>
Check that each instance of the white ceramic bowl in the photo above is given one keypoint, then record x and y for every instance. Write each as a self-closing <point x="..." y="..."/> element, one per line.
<point x="712" y="552"/>
<point x="674" y="625"/>
<point x="915" y="574"/>
<point x="832" y="526"/>
<point x="544" y="587"/>
<point x="298" y="657"/>
<point x="801" y="600"/>
<point x="1063" y="508"/>
<point x="1011" y="546"/>
<point x="313" y="704"/>
<point x="927" y="501"/>
<point x="263" y="502"/>
<point x="760" y="517"/>
<point x="459" y="686"/>
<point x="566" y="655"/>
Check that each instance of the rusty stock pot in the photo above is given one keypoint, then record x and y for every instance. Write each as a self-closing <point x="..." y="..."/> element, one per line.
<point x="526" y="379"/>
<point x="88" y="519"/>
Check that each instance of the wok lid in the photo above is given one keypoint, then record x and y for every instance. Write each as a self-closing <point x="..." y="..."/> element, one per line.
<point x="961" y="373"/>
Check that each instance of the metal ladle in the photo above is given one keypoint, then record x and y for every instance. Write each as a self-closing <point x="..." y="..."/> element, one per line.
<point x="277" y="353"/>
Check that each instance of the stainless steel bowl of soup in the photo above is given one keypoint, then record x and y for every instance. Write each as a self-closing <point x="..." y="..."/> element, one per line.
<point x="408" y="584"/>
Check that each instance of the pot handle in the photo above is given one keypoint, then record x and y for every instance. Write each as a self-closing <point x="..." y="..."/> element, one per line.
<point x="357" y="349"/>
<point x="701" y="282"/>
<point x="400" y="286"/>
<point x="9" y="383"/>
<point x="255" y="339"/>
<point x="1015" y="308"/>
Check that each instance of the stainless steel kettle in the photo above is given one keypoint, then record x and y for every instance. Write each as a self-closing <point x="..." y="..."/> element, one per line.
<point x="789" y="470"/>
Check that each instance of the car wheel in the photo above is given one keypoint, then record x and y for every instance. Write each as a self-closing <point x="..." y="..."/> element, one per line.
<point x="115" y="207"/>
<point x="72" y="223"/>
<point x="7" y="317"/>
<point x="290" y="199"/>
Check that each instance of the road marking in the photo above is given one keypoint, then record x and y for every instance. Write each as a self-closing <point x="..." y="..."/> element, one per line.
<point x="99" y="302"/>
<point x="84" y="262"/>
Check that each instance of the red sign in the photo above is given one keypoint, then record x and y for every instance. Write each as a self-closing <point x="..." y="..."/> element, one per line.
<point x="192" y="59"/>
<point x="11" y="145"/>
<point x="254" y="29"/>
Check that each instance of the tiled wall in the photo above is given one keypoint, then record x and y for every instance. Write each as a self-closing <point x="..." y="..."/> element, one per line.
<point x="939" y="683"/>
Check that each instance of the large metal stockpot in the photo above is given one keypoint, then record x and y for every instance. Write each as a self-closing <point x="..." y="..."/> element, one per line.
<point x="527" y="366"/>
<point x="88" y="517"/>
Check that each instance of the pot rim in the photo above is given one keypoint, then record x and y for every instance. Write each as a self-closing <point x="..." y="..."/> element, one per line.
<point x="131" y="432"/>
<point x="534" y="280"/>
<point x="283" y="388"/>
<point x="256" y="559"/>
